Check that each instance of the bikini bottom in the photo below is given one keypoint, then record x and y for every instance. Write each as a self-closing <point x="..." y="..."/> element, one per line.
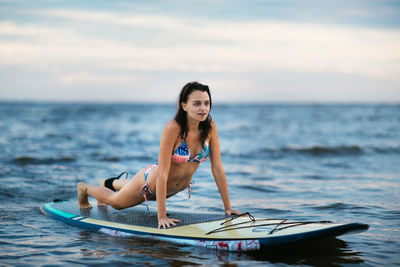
<point x="145" y="190"/>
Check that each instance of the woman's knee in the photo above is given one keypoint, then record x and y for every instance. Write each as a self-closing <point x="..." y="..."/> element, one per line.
<point x="113" y="202"/>
<point x="117" y="203"/>
<point x="118" y="206"/>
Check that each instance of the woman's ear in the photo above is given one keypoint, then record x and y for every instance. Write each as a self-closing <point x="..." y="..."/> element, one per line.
<point x="184" y="106"/>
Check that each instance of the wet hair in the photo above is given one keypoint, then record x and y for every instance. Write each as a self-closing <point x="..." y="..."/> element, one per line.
<point x="181" y="117"/>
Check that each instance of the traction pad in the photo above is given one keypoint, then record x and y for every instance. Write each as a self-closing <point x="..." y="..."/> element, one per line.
<point x="137" y="215"/>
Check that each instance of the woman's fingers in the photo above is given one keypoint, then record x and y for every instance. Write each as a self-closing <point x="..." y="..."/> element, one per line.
<point x="167" y="222"/>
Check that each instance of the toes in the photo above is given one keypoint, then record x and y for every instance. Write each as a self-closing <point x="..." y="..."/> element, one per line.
<point x="86" y="206"/>
<point x="80" y="185"/>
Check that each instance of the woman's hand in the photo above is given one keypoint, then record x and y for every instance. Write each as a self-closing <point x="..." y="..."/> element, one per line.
<point x="166" y="222"/>
<point x="232" y="212"/>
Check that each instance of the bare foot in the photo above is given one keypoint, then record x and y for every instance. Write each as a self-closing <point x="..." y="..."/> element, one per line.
<point x="83" y="201"/>
<point x="98" y="202"/>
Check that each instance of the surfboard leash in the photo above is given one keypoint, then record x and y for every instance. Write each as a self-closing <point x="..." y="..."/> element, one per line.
<point x="275" y="229"/>
<point x="235" y="216"/>
<point x="294" y="224"/>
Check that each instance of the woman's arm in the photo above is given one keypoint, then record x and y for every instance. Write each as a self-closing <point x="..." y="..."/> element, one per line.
<point x="168" y="138"/>
<point x="218" y="171"/>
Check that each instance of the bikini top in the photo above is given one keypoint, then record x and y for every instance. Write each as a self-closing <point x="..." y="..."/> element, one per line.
<point x="182" y="153"/>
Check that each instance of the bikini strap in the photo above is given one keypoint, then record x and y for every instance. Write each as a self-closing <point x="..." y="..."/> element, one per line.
<point x="145" y="190"/>
<point x="190" y="188"/>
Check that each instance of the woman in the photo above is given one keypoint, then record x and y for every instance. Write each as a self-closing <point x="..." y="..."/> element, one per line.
<point x="190" y="138"/>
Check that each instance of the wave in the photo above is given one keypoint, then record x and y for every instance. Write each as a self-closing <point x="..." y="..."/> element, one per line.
<point x="25" y="160"/>
<point x="387" y="150"/>
<point x="41" y="161"/>
<point x="259" y="188"/>
<point x="124" y="158"/>
<point x="321" y="150"/>
<point x="338" y="206"/>
<point x="317" y="150"/>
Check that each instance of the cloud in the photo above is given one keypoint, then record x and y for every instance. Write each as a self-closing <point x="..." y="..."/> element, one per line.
<point x="93" y="47"/>
<point x="192" y="45"/>
<point x="95" y="78"/>
<point x="118" y="18"/>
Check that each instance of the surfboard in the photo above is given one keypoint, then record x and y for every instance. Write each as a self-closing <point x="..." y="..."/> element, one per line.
<point x="208" y="230"/>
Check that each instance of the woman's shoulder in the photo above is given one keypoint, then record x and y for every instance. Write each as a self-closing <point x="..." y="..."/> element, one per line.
<point x="173" y="125"/>
<point x="171" y="131"/>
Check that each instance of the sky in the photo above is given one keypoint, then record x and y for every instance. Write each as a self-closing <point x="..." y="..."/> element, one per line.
<point x="246" y="51"/>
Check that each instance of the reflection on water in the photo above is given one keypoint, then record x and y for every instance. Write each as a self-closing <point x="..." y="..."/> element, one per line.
<point x="326" y="252"/>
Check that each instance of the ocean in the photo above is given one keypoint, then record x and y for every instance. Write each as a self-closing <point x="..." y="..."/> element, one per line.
<point x="337" y="162"/>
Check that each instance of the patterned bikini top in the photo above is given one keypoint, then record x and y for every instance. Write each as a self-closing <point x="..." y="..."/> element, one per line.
<point x="182" y="154"/>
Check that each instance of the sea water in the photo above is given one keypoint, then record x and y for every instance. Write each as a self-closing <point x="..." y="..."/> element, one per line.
<point x="338" y="162"/>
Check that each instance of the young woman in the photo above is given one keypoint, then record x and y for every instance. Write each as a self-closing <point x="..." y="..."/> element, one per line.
<point x="187" y="140"/>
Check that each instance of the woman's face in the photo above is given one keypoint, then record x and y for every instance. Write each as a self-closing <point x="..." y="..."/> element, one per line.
<point x="197" y="106"/>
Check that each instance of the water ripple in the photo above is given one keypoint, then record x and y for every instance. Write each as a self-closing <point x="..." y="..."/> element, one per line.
<point x="42" y="161"/>
<point x="338" y="206"/>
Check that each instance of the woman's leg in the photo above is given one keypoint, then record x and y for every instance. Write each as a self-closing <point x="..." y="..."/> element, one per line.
<point x="127" y="196"/>
<point x="117" y="183"/>
<point x="98" y="192"/>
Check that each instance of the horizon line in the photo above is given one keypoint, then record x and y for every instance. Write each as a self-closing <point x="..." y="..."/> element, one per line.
<point x="231" y="102"/>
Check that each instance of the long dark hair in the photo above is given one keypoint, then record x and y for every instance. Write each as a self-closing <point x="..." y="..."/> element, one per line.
<point x="181" y="118"/>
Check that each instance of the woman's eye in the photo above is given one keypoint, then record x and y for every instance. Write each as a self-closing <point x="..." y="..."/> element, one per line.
<point x="199" y="104"/>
